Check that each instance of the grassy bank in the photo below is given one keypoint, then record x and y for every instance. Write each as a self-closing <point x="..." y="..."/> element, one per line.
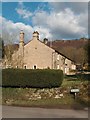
<point x="47" y="97"/>
<point x="49" y="102"/>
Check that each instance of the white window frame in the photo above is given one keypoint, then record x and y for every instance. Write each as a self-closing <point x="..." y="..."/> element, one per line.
<point x="58" y="66"/>
<point x="16" y="66"/>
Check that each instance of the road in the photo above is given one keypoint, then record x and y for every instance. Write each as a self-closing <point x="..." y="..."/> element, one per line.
<point x="29" y="112"/>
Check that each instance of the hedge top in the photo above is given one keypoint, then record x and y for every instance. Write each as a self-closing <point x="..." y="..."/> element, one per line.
<point x="32" y="78"/>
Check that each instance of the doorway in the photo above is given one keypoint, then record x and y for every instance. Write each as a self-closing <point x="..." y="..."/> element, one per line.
<point x="34" y="67"/>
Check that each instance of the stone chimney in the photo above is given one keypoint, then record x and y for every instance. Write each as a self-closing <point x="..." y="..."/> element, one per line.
<point x="35" y="35"/>
<point x="21" y="42"/>
<point x="21" y="49"/>
<point x="45" y="40"/>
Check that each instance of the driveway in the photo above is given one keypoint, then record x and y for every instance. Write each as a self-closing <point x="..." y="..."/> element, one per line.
<point x="30" y="112"/>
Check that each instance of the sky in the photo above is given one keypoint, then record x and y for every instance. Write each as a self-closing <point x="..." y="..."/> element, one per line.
<point x="53" y="20"/>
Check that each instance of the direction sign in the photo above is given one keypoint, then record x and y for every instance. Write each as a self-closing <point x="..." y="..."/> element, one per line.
<point x="74" y="90"/>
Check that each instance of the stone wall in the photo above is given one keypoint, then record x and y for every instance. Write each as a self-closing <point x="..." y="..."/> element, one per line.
<point x="34" y="94"/>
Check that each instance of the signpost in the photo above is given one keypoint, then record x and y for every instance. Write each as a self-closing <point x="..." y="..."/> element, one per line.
<point x="75" y="91"/>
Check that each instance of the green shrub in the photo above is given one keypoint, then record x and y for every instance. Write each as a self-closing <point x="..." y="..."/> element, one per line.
<point x="31" y="78"/>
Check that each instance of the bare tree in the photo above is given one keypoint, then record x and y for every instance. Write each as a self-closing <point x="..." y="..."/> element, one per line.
<point x="9" y="50"/>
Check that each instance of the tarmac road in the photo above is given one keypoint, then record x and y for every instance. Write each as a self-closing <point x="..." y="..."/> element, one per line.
<point x="30" y="112"/>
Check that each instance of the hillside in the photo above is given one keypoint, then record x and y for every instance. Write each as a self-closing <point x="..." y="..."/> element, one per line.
<point x="70" y="43"/>
<point x="74" y="49"/>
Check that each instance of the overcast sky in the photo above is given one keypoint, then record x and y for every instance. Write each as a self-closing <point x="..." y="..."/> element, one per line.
<point x="53" y="20"/>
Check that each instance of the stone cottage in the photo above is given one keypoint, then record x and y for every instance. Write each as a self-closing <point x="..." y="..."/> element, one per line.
<point x="38" y="55"/>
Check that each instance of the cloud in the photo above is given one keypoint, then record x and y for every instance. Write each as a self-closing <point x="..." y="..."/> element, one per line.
<point x="23" y="11"/>
<point x="76" y="7"/>
<point x="44" y="32"/>
<point x="40" y="18"/>
<point x="11" y="30"/>
<point x="64" y="24"/>
<point x="58" y="23"/>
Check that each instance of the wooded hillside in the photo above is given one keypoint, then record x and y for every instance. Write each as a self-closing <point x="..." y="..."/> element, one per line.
<point x="74" y="49"/>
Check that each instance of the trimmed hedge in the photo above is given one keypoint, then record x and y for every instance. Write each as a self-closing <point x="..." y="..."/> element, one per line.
<point x="31" y="78"/>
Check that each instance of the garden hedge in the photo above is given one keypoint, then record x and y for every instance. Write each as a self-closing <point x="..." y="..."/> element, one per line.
<point x="31" y="78"/>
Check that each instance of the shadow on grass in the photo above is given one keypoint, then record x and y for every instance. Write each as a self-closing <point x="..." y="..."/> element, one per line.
<point x="80" y="104"/>
<point x="78" y="77"/>
<point x="83" y="102"/>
